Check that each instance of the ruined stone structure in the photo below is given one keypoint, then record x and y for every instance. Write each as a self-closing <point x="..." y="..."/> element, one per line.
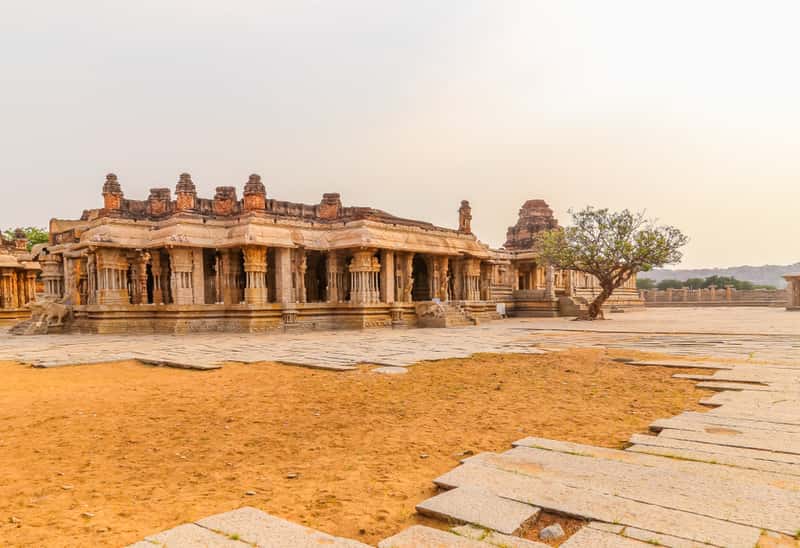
<point x="792" y="291"/>
<point x="257" y="263"/>
<point x="686" y="297"/>
<point x="18" y="273"/>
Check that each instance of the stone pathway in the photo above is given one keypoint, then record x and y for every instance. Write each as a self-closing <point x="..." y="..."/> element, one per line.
<point x="334" y="350"/>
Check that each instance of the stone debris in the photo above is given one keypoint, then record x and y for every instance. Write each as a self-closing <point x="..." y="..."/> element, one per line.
<point x="480" y="508"/>
<point x="390" y="370"/>
<point x="551" y="532"/>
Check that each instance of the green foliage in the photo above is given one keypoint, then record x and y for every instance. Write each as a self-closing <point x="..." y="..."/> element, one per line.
<point x="645" y="283"/>
<point x="612" y="247"/>
<point x="717" y="281"/>
<point x="670" y="284"/>
<point x="33" y="234"/>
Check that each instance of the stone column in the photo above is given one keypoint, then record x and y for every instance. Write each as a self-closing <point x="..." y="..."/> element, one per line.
<point x="283" y="275"/>
<point x="155" y="269"/>
<point x="139" y="283"/>
<point x="181" y="278"/>
<point x="549" y="285"/>
<point x="387" y="276"/>
<point x="230" y="276"/>
<point x="472" y="277"/>
<point x="364" y="269"/>
<point x="404" y="280"/>
<point x="91" y="278"/>
<point x="334" y="290"/>
<point x="729" y="293"/>
<point x="198" y="276"/>
<point x="5" y="287"/>
<point x="112" y="268"/>
<point x="299" y="271"/>
<point x="255" y="268"/>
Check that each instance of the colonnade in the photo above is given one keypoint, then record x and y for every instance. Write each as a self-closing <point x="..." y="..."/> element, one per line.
<point x="257" y="275"/>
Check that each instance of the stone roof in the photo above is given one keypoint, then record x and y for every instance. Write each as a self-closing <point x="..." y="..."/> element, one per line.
<point x="534" y="216"/>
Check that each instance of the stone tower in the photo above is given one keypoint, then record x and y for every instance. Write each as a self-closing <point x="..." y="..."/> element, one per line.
<point x="465" y="217"/>
<point x="534" y="216"/>
<point x="185" y="193"/>
<point x="112" y="193"/>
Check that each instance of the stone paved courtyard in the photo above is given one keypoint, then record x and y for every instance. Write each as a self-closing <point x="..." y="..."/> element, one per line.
<point x="726" y="477"/>
<point x="742" y="333"/>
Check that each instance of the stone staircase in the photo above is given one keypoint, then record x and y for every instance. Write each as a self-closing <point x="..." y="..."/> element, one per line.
<point x="456" y="316"/>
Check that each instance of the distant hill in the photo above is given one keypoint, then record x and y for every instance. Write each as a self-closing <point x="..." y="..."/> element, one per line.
<point x="766" y="275"/>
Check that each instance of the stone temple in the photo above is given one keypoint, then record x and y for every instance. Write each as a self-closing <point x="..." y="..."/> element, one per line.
<point x="257" y="264"/>
<point x="18" y="274"/>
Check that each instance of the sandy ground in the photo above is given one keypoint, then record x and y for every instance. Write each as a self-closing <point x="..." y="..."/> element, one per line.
<point x="103" y="455"/>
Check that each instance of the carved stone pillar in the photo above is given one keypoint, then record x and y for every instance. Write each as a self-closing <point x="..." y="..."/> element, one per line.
<point x="155" y="269"/>
<point x="387" y="276"/>
<point x="283" y="275"/>
<point x="112" y="266"/>
<point x="335" y="292"/>
<point x="231" y="276"/>
<point x="5" y="287"/>
<point x="30" y="282"/>
<point x="139" y="263"/>
<point x="181" y="279"/>
<point x="472" y="279"/>
<point x="404" y="280"/>
<point x="364" y="269"/>
<point x="91" y="278"/>
<point x="549" y="285"/>
<point x="255" y="268"/>
<point x="440" y="278"/>
<point x="300" y="266"/>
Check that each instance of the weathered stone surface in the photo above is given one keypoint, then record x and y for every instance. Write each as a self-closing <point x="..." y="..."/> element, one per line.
<point x="720" y="492"/>
<point x="594" y="538"/>
<point x="480" y="508"/>
<point x="766" y="441"/>
<point x="714" y="449"/>
<point x="190" y="535"/>
<point x="658" y="539"/>
<point x="681" y="365"/>
<point x="259" y="528"/>
<point x="418" y="536"/>
<point x="599" y="505"/>
<point x="495" y="538"/>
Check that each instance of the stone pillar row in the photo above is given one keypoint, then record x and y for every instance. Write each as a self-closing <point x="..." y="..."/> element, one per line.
<point x="178" y="274"/>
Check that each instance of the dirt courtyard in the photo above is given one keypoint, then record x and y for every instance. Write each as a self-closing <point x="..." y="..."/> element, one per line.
<point x="103" y="455"/>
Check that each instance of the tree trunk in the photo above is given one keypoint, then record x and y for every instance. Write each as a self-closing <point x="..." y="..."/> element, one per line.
<point x="596" y="308"/>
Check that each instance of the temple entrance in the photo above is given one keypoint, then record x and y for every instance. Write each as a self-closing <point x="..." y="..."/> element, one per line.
<point x="316" y="277"/>
<point x="421" y="290"/>
<point x="149" y="283"/>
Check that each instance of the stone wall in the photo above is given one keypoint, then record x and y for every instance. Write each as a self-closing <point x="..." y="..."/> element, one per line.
<point x="713" y="296"/>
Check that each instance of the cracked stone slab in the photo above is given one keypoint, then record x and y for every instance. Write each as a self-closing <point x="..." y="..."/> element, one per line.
<point x="480" y="508"/>
<point x="712" y="449"/>
<point x="495" y="538"/>
<point x="744" y="439"/>
<point x="658" y="539"/>
<point x="726" y="494"/>
<point x="261" y="529"/>
<point x="564" y="498"/>
<point x="418" y="536"/>
<point x="190" y="535"/>
<point x="594" y="538"/>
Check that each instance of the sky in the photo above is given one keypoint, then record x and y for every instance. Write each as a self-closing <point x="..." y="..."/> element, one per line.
<point x="686" y="109"/>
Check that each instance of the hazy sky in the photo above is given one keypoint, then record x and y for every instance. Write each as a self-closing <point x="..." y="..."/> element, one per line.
<point x="688" y="109"/>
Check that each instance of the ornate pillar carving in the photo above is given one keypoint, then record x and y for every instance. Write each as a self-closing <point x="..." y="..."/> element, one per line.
<point x="300" y="266"/>
<point x="364" y="270"/>
<point x="112" y="268"/>
<point x="155" y="269"/>
<point x="181" y="279"/>
<point x="335" y="292"/>
<point x="255" y="268"/>
<point x="471" y="279"/>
